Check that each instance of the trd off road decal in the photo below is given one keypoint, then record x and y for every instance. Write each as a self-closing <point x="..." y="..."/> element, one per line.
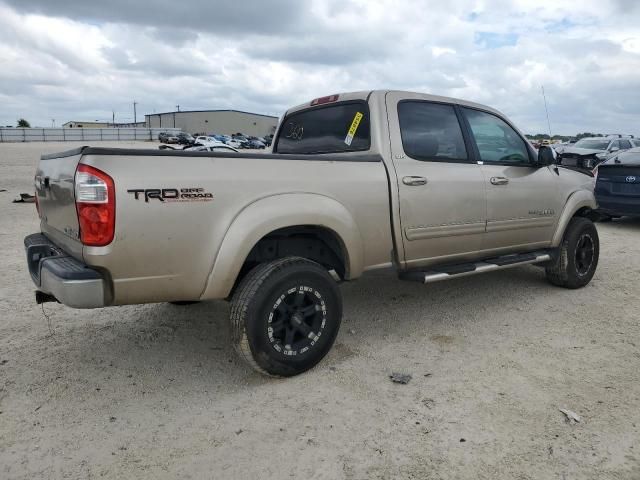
<point x="172" y="194"/>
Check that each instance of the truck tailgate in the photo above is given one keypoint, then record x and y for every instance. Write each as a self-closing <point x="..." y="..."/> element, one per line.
<point x="54" y="183"/>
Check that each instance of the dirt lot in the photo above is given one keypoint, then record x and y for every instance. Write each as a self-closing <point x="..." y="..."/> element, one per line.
<point x="155" y="391"/>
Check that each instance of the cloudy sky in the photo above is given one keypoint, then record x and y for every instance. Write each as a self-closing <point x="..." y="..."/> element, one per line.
<point x="81" y="60"/>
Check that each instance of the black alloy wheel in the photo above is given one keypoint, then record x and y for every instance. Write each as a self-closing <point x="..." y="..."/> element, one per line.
<point x="585" y="250"/>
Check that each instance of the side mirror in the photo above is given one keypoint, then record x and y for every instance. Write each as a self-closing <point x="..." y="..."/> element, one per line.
<point x="546" y="156"/>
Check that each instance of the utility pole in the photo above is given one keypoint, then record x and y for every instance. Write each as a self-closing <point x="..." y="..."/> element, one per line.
<point x="113" y="118"/>
<point x="135" y="118"/>
<point x="178" y="107"/>
<point x="546" y="110"/>
<point x="53" y="123"/>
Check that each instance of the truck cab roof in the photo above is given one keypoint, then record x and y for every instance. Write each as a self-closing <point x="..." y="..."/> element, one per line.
<point x="381" y="94"/>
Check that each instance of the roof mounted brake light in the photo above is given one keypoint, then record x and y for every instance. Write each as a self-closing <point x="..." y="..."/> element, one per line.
<point x="323" y="100"/>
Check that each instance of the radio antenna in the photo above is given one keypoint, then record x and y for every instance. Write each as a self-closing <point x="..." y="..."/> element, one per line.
<point x="546" y="110"/>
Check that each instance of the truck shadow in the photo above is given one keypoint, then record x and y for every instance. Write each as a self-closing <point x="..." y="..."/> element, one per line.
<point x="162" y="347"/>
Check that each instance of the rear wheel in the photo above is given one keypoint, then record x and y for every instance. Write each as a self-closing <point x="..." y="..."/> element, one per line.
<point x="577" y="257"/>
<point x="285" y="316"/>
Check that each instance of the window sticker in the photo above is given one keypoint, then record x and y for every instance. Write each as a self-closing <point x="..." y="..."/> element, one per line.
<point x="354" y="128"/>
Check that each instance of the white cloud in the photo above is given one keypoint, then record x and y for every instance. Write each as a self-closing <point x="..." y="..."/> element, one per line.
<point x="79" y="60"/>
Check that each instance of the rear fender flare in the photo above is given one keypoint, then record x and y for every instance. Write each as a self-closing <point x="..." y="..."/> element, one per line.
<point x="272" y="213"/>
<point x="575" y="202"/>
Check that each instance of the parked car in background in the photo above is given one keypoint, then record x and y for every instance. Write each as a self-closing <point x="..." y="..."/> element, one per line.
<point x="586" y="153"/>
<point x="209" y="147"/>
<point x="219" y="147"/>
<point x="185" y="139"/>
<point x="618" y="184"/>
<point x="255" y="143"/>
<point x="206" y="139"/>
<point x="208" y="143"/>
<point x="232" y="142"/>
<point x="167" y="137"/>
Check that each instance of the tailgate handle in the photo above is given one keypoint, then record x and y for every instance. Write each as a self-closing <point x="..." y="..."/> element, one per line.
<point x="413" y="181"/>
<point x="499" y="181"/>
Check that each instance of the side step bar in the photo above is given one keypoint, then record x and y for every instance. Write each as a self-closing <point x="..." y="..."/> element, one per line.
<point x="446" y="272"/>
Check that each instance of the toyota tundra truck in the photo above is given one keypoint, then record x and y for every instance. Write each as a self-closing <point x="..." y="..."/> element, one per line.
<point x="436" y="188"/>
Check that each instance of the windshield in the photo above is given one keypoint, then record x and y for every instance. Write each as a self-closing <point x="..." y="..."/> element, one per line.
<point x="592" y="144"/>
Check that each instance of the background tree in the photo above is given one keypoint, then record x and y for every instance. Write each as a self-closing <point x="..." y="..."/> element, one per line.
<point x="22" y="123"/>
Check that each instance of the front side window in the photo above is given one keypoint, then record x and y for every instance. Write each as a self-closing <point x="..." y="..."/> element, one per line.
<point x="431" y="131"/>
<point x="625" y="144"/>
<point x="342" y="127"/>
<point x="497" y="142"/>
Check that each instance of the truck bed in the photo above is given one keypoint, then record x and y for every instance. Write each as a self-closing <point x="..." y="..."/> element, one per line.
<point x="174" y="209"/>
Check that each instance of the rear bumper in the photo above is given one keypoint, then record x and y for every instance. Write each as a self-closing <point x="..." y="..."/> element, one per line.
<point x="55" y="273"/>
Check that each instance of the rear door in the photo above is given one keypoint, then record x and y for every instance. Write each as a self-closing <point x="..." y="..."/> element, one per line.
<point x="441" y="191"/>
<point x="523" y="200"/>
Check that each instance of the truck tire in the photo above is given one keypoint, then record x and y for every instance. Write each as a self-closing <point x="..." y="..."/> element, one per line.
<point x="577" y="257"/>
<point x="285" y="316"/>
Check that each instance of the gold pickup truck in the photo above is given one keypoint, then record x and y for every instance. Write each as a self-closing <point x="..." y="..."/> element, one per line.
<point x="434" y="187"/>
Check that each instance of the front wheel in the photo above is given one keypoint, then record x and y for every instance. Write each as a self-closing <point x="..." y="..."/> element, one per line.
<point x="285" y="316"/>
<point x="577" y="257"/>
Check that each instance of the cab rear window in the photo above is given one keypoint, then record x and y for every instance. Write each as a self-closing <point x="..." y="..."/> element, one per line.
<point x="342" y="127"/>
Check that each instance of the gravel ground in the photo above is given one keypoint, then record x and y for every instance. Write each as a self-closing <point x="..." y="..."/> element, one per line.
<point x="155" y="391"/>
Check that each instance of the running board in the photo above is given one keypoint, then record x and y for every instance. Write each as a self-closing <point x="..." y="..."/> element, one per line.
<point x="446" y="272"/>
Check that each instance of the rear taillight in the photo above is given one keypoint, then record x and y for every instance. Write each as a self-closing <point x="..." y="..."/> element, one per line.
<point x="96" y="206"/>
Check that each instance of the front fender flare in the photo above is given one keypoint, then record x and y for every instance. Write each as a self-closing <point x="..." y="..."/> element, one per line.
<point x="272" y="213"/>
<point x="577" y="200"/>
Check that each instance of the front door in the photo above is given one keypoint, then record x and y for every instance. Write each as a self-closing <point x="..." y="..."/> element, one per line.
<point x="441" y="190"/>
<point x="523" y="200"/>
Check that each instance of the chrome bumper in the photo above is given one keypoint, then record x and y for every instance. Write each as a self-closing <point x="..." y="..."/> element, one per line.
<point x="68" y="280"/>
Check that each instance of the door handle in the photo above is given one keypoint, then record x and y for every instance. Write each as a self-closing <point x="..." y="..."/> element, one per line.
<point x="499" y="181"/>
<point x="413" y="181"/>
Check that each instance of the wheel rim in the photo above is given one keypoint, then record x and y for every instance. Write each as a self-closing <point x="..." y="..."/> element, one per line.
<point x="297" y="320"/>
<point x="585" y="253"/>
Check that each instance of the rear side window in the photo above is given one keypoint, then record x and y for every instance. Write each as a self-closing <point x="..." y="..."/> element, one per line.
<point x="431" y="131"/>
<point x="336" y="128"/>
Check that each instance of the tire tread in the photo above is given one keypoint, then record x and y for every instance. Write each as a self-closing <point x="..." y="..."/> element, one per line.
<point x="558" y="272"/>
<point x="242" y="297"/>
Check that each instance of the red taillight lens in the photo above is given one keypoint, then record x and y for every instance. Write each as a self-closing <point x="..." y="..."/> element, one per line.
<point x="96" y="206"/>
